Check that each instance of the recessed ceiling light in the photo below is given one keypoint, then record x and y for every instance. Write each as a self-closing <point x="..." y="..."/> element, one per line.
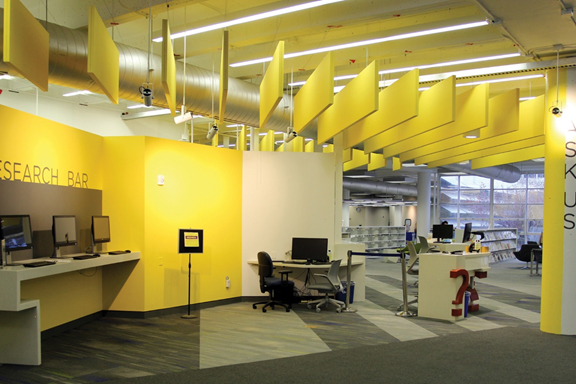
<point x="76" y="93"/>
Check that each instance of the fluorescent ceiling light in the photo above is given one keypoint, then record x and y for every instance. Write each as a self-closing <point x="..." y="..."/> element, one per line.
<point x="6" y="77"/>
<point x="501" y="80"/>
<point x="136" y="106"/>
<point x="448" y="63"/>
<point x="367" y="42"/>
<point x="248" y="19"/>
<point x="493" y="81"/>
<point x="84" y="92"/>
<point x="527" y="98"/>
<point x="407" y="69"/>
<point x="234" y="125"/>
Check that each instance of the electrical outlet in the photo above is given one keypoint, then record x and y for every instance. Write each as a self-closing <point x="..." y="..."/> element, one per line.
<point x="227" y="282"/>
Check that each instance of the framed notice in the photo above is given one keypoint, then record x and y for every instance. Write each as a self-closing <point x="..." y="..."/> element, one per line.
<point x="190" y="241"/>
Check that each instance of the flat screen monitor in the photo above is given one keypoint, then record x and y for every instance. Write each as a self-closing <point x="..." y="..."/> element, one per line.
<point x="467" y="232"/>
<point x="64" y="230"/>
<point x="311" y="249"/>
<point x="442" y="231"/>
<point x="16" y="231"/>
<point x="100" y="229"/>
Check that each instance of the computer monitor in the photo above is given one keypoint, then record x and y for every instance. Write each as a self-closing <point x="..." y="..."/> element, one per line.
<point x="100" y="229"/>
<point x="63" y="232"/>
<point x="16" y="230"/>
<point x="467" y="232"/>
<point x="442" y="231"/>
<point x="309" y="249"/>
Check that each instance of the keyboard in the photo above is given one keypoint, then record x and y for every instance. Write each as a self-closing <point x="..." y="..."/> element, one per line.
<point x="322" y="263"/>
<point x="295" y="262"/>
<point x="84" y="257"/>
<point x="39" y="264"/>
<point x="117" y="252"/>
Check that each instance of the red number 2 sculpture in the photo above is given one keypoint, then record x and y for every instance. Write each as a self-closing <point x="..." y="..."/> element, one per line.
<point x="455" y="273"/>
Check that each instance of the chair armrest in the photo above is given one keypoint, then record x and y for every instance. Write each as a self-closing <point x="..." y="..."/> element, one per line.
<point x="284" y="274"/>
<point x="328" y="280"/>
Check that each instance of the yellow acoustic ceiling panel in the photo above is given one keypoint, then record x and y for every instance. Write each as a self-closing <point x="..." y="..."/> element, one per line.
<point x="281" y="148"/>
<point x="272" y="85"/>
<point x="267" y="142"/>
<point x="310" y="146"/>
<point x="357" y="100"/>
<point x="168" y="68"/>
<point x="503" y="117"/>
<point x="223" y="78"/>
<point x="298" y="144"/>
<point x="328" y="148"/>
<point x="358" y="159"/>
<point x="524" y="154"/>
<point x="471" y="114"/>
<point x="510" y="147"/>
<point x="396" y="104"/>
<point x="242" y="144"/>
<point x="103" y="57"/>
<point x="396" y="164"/>
<point x="436" y="108"/>
<point x="531" y="126"/>
<point x="377" y="161"/>
<point x="316" y="95"/>
<point x="26" y="44"/>
<point x="347" y="155"/>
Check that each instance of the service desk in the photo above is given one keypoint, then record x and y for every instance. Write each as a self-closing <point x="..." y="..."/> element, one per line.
<point x="441" y="277"/>
<point x="358" y="273"/>
<point x="20" y="319"/>
<point x="449" y="247"/>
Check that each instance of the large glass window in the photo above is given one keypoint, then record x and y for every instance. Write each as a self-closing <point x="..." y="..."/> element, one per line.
<point x="488" y="203"/>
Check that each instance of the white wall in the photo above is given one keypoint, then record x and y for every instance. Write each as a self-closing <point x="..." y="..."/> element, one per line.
<point x="92" y="118"/>
<point x="377" y="216"/>
<point x="285" y="195"/>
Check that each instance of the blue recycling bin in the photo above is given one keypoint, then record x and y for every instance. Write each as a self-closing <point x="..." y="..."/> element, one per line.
<point x="466" y="302"/>
<point x="342" y="295"/>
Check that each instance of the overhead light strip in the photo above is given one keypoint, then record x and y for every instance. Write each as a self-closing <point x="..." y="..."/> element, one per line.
<point x="248" y="19"/>
<point x="407" y="69"/>
<point x="77" y="93"/>
<point x="367" y="42"/>
<point x="517" y="78"/>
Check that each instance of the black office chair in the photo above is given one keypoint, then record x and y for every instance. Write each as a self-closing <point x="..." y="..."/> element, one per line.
<point x="280" y="290"/>
<point x="524" y="254"/>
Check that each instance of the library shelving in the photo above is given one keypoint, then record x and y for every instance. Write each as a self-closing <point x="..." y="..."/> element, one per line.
<point x="375" y="238"/>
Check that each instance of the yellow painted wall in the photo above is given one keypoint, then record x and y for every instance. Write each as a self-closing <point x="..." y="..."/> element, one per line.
<point x="123" y="200"/>
<point x="202" y="190"/>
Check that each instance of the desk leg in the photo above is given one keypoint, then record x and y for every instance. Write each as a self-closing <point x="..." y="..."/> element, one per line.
<point x="20" y="337"/>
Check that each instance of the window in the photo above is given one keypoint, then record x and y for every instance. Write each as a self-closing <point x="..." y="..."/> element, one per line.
<point x="488" y="203"/>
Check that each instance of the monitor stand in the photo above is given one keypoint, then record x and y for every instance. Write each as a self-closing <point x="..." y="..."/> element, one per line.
<point x="57" y="253"/>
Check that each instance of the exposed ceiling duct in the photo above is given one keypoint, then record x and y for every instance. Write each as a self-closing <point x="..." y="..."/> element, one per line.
<point x="378" y="187"/>
<point x="68" y="67"/>
<point x="505" y="173"/>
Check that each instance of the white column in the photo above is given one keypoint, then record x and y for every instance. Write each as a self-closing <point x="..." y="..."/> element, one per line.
<point x="338" y="181"/>
<point x="423" y="208"/>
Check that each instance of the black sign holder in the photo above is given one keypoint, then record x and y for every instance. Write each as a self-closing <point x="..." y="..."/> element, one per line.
<point x="190" y="241"/>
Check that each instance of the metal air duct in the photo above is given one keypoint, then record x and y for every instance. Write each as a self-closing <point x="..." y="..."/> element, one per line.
<point x="505" y="173"/>
<point x="377" y="187"/>
<point x="68" y="67"/>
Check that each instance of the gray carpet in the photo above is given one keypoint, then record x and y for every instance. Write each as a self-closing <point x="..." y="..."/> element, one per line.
<point x="505" y="355"/>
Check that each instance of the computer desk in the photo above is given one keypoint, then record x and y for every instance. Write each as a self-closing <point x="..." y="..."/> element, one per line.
<point x="440" y="281"/>
<point x="20" y="319"/>
<point x="358" y="274"/>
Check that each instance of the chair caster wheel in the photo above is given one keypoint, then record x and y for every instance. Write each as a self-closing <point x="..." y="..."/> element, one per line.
<point x="253" y="306"/>
<point x="263" y="310"/>
<point x="318" y="310"/>
<point x="287" y="309"/>
<point x="309" y="307"/>
<point x="339" y="310"/>
<point x="272" y="307"/>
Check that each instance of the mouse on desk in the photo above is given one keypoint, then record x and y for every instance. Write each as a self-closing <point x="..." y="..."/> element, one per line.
<point x="127" y="251"/>
<point x="96" y="254"/>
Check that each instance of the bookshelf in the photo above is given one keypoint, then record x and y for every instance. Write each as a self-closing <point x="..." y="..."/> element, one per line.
<point x="376" y="239"/>
<point x="501" y="242"/>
